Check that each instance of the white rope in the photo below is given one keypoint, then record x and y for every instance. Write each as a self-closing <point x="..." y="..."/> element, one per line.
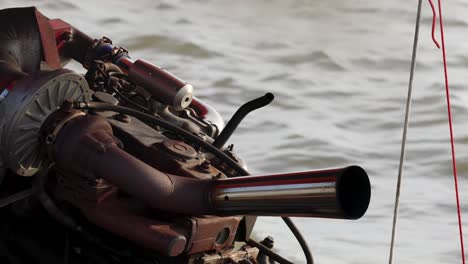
<point x="405" y="131"/>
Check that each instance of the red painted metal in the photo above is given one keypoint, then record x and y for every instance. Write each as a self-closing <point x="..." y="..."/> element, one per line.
<point x="49" y="47"/>
<point x="60" y="27"/>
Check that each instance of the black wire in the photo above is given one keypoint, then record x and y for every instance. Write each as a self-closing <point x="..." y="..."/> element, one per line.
<point x="300" y="239"/>
<point x="97" y="106"/>
<point x="126" y="99"/>
<point x="272" y="255"/>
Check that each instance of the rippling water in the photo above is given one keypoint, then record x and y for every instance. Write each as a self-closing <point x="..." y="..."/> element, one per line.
<point x="339" y="70"/>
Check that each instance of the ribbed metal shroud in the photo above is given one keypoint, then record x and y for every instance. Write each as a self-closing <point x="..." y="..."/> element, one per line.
<point x="25" y="109"/>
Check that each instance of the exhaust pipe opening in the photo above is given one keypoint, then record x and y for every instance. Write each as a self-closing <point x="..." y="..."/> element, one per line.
<point x="354" y="191"/>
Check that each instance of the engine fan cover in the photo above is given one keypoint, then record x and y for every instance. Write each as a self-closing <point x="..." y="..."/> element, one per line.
<point x="24" y="110"/>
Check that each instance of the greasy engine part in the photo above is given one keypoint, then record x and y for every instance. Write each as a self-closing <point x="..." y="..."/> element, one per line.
<point x="28" y="103"/>
<point x="170" y="90"/>
<point x="106" y="77"/>
<point x="72" y="43"/>
<point x="206" y="112"/>
<point x="139" y="167"/>
<point x="235" y="165"/>
<point x="161" y="84"/>
<point x="86" y="147"/>
<point x="20" y="51"/>
<point x="80" y="186"/>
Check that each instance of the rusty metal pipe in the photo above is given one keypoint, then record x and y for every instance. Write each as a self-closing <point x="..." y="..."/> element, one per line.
<point x="87" y="148"/>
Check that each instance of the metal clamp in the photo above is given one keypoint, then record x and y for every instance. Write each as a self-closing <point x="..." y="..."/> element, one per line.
<point x="50" y="139"/>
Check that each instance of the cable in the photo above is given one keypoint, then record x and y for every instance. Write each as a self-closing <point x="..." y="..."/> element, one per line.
<point x="239" y="115"/>
<point x="405" y="132"/>
<point x="268" y="252"/>
<point x="452" y="140"/>
<point x="300" y="239"/>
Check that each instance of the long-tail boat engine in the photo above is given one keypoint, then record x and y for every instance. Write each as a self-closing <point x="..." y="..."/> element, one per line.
<point x="124" y="165"/>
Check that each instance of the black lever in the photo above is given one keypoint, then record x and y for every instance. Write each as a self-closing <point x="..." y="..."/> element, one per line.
<point x="243" y="111"/>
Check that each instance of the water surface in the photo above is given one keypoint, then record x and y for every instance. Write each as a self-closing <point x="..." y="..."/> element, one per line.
<point x="339" y="70"/>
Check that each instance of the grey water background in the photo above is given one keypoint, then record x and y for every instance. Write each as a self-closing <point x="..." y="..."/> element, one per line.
<point x="339" y="70"/>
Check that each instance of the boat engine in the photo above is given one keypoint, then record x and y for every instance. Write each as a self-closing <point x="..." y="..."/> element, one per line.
<point x="124" y="165"/>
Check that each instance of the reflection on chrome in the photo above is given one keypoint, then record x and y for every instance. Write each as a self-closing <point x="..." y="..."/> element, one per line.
<point x="337" y="193"/>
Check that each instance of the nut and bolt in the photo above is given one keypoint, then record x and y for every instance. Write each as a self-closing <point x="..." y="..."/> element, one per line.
<point x="268" y="242"/>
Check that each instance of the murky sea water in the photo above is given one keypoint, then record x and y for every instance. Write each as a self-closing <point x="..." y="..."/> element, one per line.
<point x="339" y="70"/>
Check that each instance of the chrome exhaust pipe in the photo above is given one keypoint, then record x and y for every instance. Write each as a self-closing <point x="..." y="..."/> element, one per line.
<point x="336" y="193"/>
